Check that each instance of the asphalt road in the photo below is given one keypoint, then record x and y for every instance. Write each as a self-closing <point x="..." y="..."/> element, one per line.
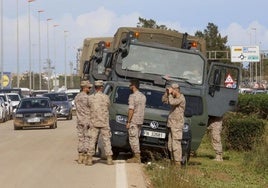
<point x="45" y="158"/>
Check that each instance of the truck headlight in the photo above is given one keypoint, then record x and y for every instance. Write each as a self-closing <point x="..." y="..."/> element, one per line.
<point x="121" y="119"/>
<point x="186" y="127"/>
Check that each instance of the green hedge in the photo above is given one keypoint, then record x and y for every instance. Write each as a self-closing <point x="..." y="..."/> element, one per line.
<point x="241" y="132"/>
<point x="253" y="104"/>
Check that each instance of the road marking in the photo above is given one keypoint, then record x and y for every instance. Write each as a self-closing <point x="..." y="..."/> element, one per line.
<point x="121" y="177"/>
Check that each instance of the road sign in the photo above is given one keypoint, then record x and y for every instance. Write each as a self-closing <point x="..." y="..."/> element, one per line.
<point x="245" y="54"/>
<point x="6" y="80"/>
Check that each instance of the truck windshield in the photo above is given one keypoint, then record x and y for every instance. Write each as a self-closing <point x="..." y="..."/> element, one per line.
<point x="164" y="62"/>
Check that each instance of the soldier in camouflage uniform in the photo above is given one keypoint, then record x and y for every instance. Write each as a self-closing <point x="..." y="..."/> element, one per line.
<point x="136" y="102"/>
<point x="83" y="114"/>
<point x="215" y="128"/>
<point x="99" y="104"/>
<point x="175" y="122"/>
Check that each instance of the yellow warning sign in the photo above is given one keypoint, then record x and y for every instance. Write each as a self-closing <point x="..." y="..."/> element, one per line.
<point x="5" y="80"/>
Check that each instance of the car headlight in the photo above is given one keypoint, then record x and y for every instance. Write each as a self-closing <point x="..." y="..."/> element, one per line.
<point x="48" y="114"/>
<point x="121" y="119"/>
<point x="19" y="115"/>
<point x="186" y="127"/>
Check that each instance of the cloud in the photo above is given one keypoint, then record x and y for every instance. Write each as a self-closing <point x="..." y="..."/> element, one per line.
<point x="254" y="33"/>
<point x="96" y="23"/>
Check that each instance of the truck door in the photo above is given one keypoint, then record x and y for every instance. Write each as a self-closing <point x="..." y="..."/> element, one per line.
<point x="222" y="88"/>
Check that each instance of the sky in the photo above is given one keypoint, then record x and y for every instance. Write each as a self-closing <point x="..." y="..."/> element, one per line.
<point x="243" y="22"/>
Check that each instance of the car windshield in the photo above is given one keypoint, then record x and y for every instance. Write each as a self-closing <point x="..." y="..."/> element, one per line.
<point x="34" y="103"/>
<point x="3" y="97"/>
<point x="14" y="97"/>
<point x="57" y="96"/>
<point x="153" y="97"/>
<point x="71" y="96"/>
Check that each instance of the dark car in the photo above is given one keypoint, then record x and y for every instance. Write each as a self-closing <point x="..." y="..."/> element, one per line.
<point x="64" y="105"/>
<point x="35" y="112"/>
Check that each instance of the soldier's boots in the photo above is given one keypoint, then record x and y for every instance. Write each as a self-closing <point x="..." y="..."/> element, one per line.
<point x="218" y="157"/>
<point x="110" y="160"/>
<point x="81" y="158"/>
<point x="135" y="159"/>
<point x="88" y="161"/>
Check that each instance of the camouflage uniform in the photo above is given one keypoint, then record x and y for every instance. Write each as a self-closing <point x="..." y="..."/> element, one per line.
<point x="215" y="128"/>
<point x="83" y="121"/>
<point x="100" y="103"/>
<point x="175" y="124"/>
<point x="137" y="102"/>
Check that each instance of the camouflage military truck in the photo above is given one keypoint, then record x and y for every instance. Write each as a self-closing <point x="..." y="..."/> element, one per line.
<point x="157" y="58"/>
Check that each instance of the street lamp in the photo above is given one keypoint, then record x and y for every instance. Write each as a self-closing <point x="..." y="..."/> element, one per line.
<point x="18" y="63"/>
<point x="30" y="63"/>
<point x="2" y="51"/>
<point x="54" y="39"/>
<point x="256" y="64"/>
<point x="65" y="61"/>
<point x="39" y="50"/>
<point x="48" y="60"/>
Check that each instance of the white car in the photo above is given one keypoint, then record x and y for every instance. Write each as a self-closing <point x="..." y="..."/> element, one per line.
<point x="7" y="105"/>
<point x="14" y="99"/>
<point x="3" y="111"/>
<point x="71" y="95"/>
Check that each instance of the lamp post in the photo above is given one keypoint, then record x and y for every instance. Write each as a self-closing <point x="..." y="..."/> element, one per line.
<point x="48" y="60"/>
<point x="2" y="51"/>
<point x="18" y="51"/>
<point x="255" y="43"/>
<point x="65" y="61"/>
<point x="39" y="50"/>
<point x="55" y="60"/>
<point x="30" y="62"/>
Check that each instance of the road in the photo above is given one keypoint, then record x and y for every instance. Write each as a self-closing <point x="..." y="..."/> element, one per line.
<point x="45" y="158"/>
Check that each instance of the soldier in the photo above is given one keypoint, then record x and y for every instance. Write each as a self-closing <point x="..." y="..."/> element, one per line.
<point x="82" y="114"/>
<point x="136" y="102"/>
<point x="175" y="122"/>
<point x="99" y="103"/>
<point x="215" y="128"/>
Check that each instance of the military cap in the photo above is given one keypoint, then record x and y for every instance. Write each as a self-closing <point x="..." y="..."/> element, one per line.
<point x="85" y="83"/>
<point x="175" y="86"/>
<point x="98" y="83"/>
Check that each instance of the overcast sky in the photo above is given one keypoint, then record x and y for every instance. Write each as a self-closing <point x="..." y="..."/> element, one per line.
<point x="244" y="22"/>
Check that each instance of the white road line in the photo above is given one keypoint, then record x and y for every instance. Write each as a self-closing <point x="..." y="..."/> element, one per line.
<point x="121" y="176"/>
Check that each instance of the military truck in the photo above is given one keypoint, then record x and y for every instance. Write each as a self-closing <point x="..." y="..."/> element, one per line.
<point x="90" y="52"/>
<point x="157" y="58"/>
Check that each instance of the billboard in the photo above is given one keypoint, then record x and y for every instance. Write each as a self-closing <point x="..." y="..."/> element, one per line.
<point x="6" y="80"/>
<point x="245" y="54"/>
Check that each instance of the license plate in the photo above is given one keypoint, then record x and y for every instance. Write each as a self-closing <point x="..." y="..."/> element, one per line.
<point x="34" y="120"/>
<point x="154" y="134"/>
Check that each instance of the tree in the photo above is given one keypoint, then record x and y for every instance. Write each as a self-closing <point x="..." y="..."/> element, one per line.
<point x="213" y="38"/>
<point x="151" y="24"/>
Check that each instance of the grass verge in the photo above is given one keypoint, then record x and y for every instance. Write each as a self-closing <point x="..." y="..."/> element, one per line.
<point x="235" y="171"/>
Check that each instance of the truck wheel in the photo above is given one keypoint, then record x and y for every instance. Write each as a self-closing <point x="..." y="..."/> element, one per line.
<point x="186" y="152"/>
<point x="115" y="153"/>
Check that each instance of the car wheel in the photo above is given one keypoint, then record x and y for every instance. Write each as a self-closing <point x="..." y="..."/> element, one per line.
<point x="17" y="128"/>
<point x="54" y="126"/>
